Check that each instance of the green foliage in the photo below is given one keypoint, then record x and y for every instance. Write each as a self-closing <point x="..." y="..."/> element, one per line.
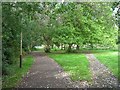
<point x="10" y="35"/>
<point x="117" y="17"/>
<point x="16" y="73"/>
<point x="15" y="19"/>
<point x="81" y="24"/>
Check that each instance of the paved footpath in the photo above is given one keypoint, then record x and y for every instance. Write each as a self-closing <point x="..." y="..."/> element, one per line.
<point x="102" y="77"/>
<point x="45" y="73"/>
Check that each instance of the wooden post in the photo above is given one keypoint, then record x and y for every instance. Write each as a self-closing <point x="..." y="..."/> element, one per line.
<point x="21" y="51"/>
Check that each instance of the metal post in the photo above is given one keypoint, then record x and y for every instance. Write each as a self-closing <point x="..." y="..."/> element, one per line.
<point x="21" y="51"/>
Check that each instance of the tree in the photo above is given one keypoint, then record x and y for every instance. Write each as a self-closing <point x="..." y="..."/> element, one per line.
<point x="14" y="17"/>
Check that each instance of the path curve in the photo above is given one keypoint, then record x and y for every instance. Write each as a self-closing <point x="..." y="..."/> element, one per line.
<point x="45" y="73"/>
<point x="102" y="77"/>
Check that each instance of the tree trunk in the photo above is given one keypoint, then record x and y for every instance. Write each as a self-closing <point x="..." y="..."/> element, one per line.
<point x="78" y="48"/>
<point x="29" y="50"/>
<point x="21" y="51"/>
<point x="69" y="48"/>
<point x="92" y="45"/>
<point x="63" y="46"/>
<point x="47" y="49"/>
<point x="48" y="43"/>
<point x="52" y="46"/>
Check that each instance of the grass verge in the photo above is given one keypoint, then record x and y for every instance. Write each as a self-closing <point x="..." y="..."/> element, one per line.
<point x="12" y="80"/>
<point x="110" y="60"/>
<point x="76" y="65"/>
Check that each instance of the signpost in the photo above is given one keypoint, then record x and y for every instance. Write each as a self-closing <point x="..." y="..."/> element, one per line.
<point x="21" y="51"/>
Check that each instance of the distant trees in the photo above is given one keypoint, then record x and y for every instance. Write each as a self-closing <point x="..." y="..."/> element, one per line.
<point x="116" y="10"/>
<point x="86" y="24"/>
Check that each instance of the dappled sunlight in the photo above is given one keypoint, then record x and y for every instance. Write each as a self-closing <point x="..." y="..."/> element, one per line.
<point x="110" y="60"/>
<point x="71" y="67"/>
<point x="114" y="53"/>
<point x="62" y="75"/>
<point x="76" y="65"/>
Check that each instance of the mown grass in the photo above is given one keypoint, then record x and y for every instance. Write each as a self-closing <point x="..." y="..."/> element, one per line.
<point x="110" y="60"/>
<point x="13" y="79"/>
<point x="96" y="51"/>
<point x="76" y="65"/>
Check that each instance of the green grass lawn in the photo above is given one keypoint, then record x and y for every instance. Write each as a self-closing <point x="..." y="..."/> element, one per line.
<point x="13" y="79"/>
<point x="96" y="51"/>
<point x="110" y="60"/>
<point x="76" y="65"/>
